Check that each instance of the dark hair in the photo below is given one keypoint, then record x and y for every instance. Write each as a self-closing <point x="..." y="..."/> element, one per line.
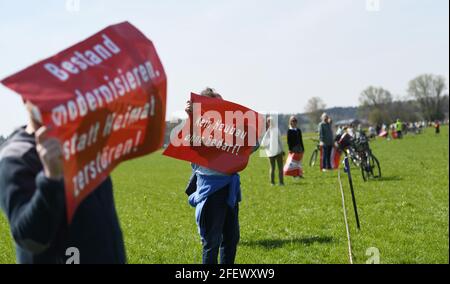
<point x="209" y="92"/>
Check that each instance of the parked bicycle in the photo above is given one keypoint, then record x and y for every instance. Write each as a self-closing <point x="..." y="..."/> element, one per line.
<point x="315" y="153"/>
<point x="361" y="155"/>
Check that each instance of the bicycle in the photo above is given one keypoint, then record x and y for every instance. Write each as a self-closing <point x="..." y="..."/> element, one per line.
<point x="315" y="153"/>
<point x="362" y="156"/>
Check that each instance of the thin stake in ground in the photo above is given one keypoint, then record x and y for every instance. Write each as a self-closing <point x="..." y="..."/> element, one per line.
<point x="345" y="219"/>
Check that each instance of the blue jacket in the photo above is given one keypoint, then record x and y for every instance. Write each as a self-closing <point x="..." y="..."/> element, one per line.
<point x="208" y="185"/>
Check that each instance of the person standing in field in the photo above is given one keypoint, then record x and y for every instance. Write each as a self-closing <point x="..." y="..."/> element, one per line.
<point x="295" y="138"/>
<point x="351" y="130"/>
<point x="216" y="198"/>
<point x="271" y="142"/>
<point x="372" y="132"/>
<point x="378" y="129"/>
<point x="437" y="127"/>
<point x="339" y="131"/>
<point x="326" y="141"/>
<point x="33" y="200"/>
<point x="399" y="128"/>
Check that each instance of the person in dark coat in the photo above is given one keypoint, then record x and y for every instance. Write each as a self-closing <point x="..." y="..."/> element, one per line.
<point x="33" y="200"/>
<point x="326" y="141"/>
<point x="437" y="127"/>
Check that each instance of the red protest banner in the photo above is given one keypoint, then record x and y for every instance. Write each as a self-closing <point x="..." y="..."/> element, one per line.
<point x="293" y="166"/>
<point x="219" y="135"/>
<point x="104" y="99"/>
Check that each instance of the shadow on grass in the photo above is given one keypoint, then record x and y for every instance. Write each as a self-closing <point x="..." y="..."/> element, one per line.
<point x="277" y="243"/>
<point x="389" y="178"/>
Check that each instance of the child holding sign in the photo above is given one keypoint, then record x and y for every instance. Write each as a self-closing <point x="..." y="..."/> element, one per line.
<point x="216" y="197"/>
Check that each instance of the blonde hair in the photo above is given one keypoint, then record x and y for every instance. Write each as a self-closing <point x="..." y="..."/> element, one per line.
<point x="292" y="118"/>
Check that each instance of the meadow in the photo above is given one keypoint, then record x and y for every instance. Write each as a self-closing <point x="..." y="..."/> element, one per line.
<point x="404" y="214"/>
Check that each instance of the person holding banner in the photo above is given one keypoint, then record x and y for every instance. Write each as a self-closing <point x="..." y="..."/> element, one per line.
<point x="326" y="141"/>
<point x="295" y="143"/>
<point x="33" y="199"/>
<point x="437" y="127"/>
<point x="92" y="106"/>
<point x="271" y="142"/>
<point x="216" y="197"/>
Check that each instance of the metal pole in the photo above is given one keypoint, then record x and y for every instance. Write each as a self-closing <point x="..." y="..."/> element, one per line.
<point x="350" y="181"/>
<point x="344" y="209"/>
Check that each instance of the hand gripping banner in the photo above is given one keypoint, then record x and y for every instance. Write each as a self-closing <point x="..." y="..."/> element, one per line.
<point x="104" y="99"/>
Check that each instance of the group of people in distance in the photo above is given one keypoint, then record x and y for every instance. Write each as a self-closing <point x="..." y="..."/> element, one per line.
<point x="273" y="146"/>
<point x="398" y="129"/>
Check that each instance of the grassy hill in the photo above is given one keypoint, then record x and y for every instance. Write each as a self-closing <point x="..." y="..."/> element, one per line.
<point x="404" y="214"/>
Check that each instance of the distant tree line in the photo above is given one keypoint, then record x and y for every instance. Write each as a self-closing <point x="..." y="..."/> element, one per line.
<point x="426" y="100"/>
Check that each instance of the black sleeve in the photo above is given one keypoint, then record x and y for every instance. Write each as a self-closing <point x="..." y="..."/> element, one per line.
<point x="33" y="205"/>
<point x="290" y="140"/>
<point x="300" y="137"/>
<point x="321" y="134"/>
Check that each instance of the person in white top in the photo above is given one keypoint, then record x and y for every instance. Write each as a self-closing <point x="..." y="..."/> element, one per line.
<point x="271" y="143"/>
<point x="350" y="130"/>
<point x="339" y="130"/>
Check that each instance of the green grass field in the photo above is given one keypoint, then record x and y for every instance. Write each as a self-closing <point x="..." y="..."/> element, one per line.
<point x="404" y="214"/>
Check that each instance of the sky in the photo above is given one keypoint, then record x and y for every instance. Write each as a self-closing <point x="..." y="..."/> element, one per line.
<point x="269" y="55"/>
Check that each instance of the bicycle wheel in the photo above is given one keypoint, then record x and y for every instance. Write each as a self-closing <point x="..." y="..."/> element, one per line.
<point x="313" y="159"/>
<point x="375" y="166"/>
<point x="365" y="169"/>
